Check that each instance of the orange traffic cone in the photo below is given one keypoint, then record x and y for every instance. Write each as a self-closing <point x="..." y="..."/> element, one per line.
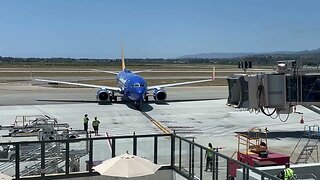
<point x="301" y="120"/>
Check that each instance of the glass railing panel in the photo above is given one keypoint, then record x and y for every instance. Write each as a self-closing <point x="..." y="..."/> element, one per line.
<point x="185" y="157"/>
<point x="78" y="156"/>
<point x="197" y="165"/>
<point x="101" y="150"/>
<point x="54" y="158"/>
<point x="164" y="150"/>
<point x="145" y="148"/>
<point x="177" y="152"/>
<point x="123" y="145"/>
<point x="222" y="166"/>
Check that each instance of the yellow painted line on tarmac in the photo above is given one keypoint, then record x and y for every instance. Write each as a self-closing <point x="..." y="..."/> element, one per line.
<point x="156" y="123"/>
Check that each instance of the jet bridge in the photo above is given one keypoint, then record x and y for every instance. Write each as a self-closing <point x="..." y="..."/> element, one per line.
<point x="281" y="90"/>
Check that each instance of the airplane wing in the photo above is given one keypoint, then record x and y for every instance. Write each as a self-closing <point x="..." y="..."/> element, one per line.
<point x="141" y="71"/>
<point x="183" y="83"/>
<point x="177" y="84"/>
<point x="110" y="72"/>
<point x="80" y="84"/>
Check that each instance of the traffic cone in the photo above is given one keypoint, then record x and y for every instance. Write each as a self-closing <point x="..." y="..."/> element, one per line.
<point x="301" y="120"/>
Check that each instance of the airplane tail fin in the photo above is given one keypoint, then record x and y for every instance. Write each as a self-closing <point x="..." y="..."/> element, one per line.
<point x="122" y="58"/>
<point x="30" y="71"/>
<point x="213" y="73"/>
<point x="31" y="74"/>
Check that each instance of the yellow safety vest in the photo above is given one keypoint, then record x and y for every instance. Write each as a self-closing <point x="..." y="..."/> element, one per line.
<point x="85" y="120"/>
<point x="210" y="153"/>
<point x="95" y="123"/>
<point x="288" y="174"/>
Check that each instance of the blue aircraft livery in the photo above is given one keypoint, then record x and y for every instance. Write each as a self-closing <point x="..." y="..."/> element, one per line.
<point x="130" y="85"/>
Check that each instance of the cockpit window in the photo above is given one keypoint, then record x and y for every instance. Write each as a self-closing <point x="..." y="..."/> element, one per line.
<point x="138" y="85"/>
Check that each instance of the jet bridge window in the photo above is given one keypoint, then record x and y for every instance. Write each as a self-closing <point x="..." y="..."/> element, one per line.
<point x="138" y="85"/>
<point x="305" y="88"/>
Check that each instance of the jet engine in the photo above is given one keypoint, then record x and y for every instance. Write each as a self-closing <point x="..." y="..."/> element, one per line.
<point x="159" y="95"/>
<point x="103" y="95"/>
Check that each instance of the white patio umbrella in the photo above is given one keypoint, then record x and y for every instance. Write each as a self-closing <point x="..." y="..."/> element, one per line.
<point x="126" y="165"/>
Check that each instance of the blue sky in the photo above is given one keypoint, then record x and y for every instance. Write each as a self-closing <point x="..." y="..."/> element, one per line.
<point x="155" y="28"/>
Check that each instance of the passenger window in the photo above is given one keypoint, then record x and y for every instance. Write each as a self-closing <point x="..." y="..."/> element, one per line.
<point x="136" y="85"/>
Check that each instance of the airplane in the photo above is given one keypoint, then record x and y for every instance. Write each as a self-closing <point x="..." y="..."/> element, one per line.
<point x="130" y="85"/>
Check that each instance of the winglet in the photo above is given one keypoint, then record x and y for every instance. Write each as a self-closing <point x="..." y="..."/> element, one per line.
<point x="213" y="73"/>
<point x="122" y="57"/>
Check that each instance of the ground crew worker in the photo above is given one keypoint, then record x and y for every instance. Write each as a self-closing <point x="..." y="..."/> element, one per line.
<point x="287" y="173"/>
<point x="85" y="122"/>
<point x="209" y="155"/>
<point x="95" y="125"/>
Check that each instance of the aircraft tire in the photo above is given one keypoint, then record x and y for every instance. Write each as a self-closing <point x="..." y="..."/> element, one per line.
<point x="138" y="107"/>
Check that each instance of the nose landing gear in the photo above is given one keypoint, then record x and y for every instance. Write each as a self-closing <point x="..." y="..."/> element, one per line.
<point x="137" y="105"/>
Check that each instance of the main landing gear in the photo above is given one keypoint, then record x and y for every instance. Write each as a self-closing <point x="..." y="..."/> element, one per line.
<point x="113" y="97"/>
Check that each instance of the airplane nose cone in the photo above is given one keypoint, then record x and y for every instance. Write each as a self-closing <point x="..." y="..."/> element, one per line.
<point x="138" y="94"/>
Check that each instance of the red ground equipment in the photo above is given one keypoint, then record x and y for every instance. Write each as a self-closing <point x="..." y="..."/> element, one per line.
<point x="253" y="150"/>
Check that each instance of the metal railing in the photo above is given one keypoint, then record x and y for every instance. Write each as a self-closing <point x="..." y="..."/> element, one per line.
<point x="169" y="150"/>
<point x="190" y="163"/>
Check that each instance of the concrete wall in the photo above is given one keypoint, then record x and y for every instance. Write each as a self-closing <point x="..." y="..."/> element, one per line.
<point x="301" y="170"/>
<point x="252" y="176"/>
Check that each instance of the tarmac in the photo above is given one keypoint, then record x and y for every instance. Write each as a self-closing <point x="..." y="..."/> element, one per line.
<point x="193" y="112"/>
<point x="198" y="113"/>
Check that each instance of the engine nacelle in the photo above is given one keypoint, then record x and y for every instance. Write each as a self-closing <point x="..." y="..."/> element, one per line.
<point x="103" y="95"/>
<point x="159" y="95"/>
